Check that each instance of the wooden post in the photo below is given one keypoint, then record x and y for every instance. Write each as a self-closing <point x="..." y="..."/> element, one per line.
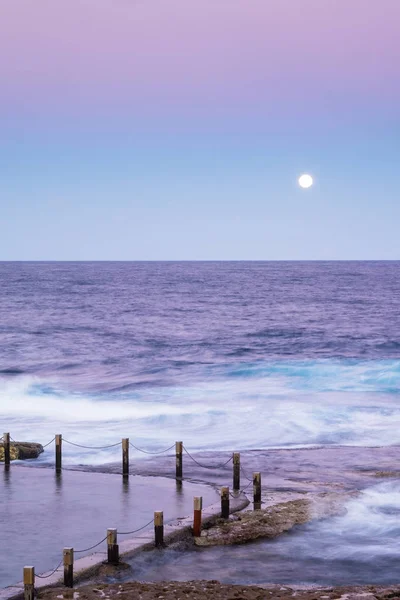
<point x="197" y="505"/>
<point x="112" y="547"/>
<point x="125" y="457"/>
<point x="257" y="491"/>
<point x="29" y="583"/>
<point x="68" y="556"/>
<point x="224" y="502"/>
<point x="58" y="452"/>
<point x="179" y="467"/>
<point x="159" y="529"/>
<point x="6" y="444"/>
<point x="236" y="471"/>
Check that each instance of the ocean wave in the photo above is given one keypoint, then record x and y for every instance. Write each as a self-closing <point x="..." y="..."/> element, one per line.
<point x="280" y="404"/>
<point x="327" y="375"/>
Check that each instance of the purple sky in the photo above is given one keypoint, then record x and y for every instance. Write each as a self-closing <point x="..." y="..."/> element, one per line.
<point x="312" y="83"/>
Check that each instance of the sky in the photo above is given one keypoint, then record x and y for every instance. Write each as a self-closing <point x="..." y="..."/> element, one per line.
<point x="177" y="129"/>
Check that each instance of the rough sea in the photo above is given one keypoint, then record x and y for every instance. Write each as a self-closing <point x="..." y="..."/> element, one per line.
<point x="225" y="356"/>
<point x="221" y="355"/>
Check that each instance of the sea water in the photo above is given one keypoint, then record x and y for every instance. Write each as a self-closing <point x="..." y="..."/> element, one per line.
<point x="358" y="547"/>
<point x="221" y="355"/>
<point x="224" y="356"/>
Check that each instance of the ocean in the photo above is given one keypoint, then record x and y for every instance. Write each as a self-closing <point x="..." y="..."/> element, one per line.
<point x="295" y="364"/>
<point x="223" y="355"/>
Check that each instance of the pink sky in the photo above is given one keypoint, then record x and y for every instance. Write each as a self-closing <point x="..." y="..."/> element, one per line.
<point x="178" y="128"/>
<point x="208" y="57"/>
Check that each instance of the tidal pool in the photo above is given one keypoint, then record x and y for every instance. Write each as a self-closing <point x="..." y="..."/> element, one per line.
<point x="41" y="513"/>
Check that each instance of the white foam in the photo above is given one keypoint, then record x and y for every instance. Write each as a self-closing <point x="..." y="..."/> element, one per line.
<point x="274" y="406"/>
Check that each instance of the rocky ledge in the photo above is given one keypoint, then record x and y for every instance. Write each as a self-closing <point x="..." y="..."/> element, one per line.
<point x="213" y="590"/>
<point x="272" y="521"/>
<point x="22" y="450"/>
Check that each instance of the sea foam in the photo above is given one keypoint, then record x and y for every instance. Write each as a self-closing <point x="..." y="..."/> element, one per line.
<point x="276" y="404"/>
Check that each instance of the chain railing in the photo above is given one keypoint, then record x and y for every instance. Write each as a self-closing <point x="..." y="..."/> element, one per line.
<point x="91" y="447"/>
<point x="111" y="537"/>
<point x="52" y="572"/>
<point x="149" y="452"/>
<point x="207" y="466"/>
<point x="179" y="449"/>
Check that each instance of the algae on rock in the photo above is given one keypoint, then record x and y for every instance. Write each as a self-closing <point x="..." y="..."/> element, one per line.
<point x="22" y="450"/>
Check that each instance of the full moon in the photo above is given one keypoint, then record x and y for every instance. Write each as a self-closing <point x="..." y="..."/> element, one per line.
<point x="305" y="181"/>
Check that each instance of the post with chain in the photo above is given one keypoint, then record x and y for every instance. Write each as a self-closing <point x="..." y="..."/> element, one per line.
<point x="256" y="491"/>
<point x="224" y="502"/>
<point x="236" y="471"/>
<point x="7" y="453"/>
<point x="125" y="457"/>
<point x="179" y="459"/>
<point x="159" y="529"/>
<point x="68" y="558"/>
<point x="29" y="583"/>
<point x="58" y="453"/>
<point x="197" y="505"/>
<point x="112" y="547"/>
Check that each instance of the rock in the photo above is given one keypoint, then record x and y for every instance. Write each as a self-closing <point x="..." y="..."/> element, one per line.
<point x="272" y="521"/>
<point x="357" y="596"/>
<point x="108" y="570"/>
<point x="212" y="590"/>
<point x="265" y="523"/>
<point x="22" y="450"/>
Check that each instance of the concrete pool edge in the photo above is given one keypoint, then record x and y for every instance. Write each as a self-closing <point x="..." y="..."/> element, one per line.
<point x="89" y="565"/>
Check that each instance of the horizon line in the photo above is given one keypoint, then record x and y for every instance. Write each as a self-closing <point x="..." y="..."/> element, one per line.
<point x="213" y="260"/>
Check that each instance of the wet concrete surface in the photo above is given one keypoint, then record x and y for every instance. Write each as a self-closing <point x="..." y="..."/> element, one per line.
<point x="296" y="469"/>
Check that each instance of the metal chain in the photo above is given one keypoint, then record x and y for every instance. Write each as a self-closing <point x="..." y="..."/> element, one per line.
<point x="52" y="573"/>
<point x="119" y="533"/>
<point x="104" y="539"/>
<point x="92" y="447"/>
<point x="147" y="452"/>
<point x="136" y="530"/>
<point x="244" y="473"/>
<point x="43" y="446"/>
<point x="48" y="443"/>
<point x="207" y="466"/>
<point x="144" y="452"/>
<point x="91" y="547"/>
<point x="241" y="491"/>
<point x="17" y="587"/>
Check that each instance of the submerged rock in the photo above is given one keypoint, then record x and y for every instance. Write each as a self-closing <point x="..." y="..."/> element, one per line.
<point x="272" y="521"/>
<point x="264" y="523"/>
<point x="22" y="450"/>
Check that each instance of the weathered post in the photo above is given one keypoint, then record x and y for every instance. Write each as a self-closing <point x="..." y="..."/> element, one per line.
<point x="224" y="502"/>
<point x="112" y="547"/>
<point x="68" y="556"/>
<point x="179" y="461"/>
<point x="256" y="491"/>
<point x="125" y="457"/>
<point x="159" y="529"/>
<point x="29" y="583"/>
<point x="197" y="505"/>
<point x="236" y="471"/>
<point x="6" y="444"/>
<point x="58" y="452"/>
